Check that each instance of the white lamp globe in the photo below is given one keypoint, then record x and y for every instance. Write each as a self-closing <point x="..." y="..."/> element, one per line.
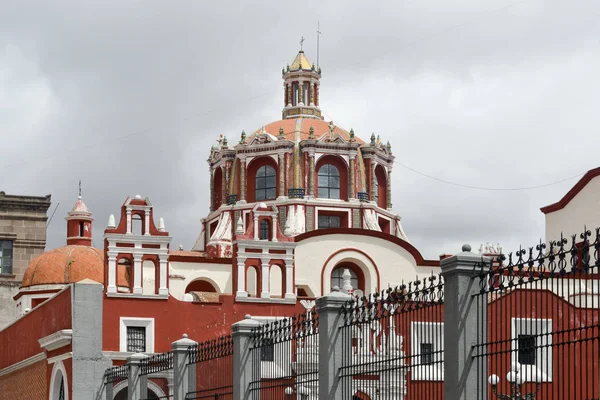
<point x="516" y="366"/>
<point x="288" y="390"/>
<point x="519" y="380"/>
<point x="494" y="380"/>
<point x="512" y="376"/>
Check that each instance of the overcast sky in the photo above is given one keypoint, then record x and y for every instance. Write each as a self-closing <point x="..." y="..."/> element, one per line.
<point x="128" y="96"/>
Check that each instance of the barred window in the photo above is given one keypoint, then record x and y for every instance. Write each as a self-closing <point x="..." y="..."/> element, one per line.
<point x="329" y="221"/>
<point x="527" y="346"/>
<point x="329" y="182"/>
<point x="136" y="339"/>
<point x="267" y="350"/>
<point x="264" y="232"/>
<point x="426" y="353"/>
<point x="266" y="183"/>
<point x="6" y="255"/>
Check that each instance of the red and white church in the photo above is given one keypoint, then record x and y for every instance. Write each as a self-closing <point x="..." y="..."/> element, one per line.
<point x="292" y="206"/>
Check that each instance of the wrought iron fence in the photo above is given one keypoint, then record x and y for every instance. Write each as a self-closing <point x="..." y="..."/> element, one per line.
<point x="538" y="314"/>
<point x="285" y="354"/>
<point x="214" y="369"/>
<point x="116" y="374"/>
<point x="157" y="363"/>
<point x="395" y="343"/>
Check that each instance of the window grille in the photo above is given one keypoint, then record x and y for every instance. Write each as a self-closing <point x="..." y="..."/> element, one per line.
<point x="329" y="221"/>
<point x="426" y="353"/>
<point x="337" y="280"/>
<point x="329" y="182"/>
<point x="264" y="230"/>
<point x="267" y="350"/>
<point x="6" y="253"/>
<point x="61" y="391"/>
<point x="527" y="346"/>
<point x="136" y="339"/>
<point x="266" y="183"/>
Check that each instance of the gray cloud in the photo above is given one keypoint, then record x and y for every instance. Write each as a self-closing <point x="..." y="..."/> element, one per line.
<point x="129" y="97"/>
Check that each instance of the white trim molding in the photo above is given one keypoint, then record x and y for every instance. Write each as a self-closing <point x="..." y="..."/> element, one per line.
<point x="56" y="340"/>
<point x="61" y="357"/>
<point x="431" y="333"/>
<point x="23" y="364"/>
<point x="59" y="371"/>
<point x="541" y="329"/>
<point x="147" y="323"/>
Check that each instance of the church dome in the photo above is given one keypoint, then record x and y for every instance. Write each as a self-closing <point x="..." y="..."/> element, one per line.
<point x="64" y="265"/>
<point x="300" y="129"/>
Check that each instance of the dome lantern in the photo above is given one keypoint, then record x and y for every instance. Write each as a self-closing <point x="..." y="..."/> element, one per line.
<point x="79" y="223"/>
<point x="301" y="89"/>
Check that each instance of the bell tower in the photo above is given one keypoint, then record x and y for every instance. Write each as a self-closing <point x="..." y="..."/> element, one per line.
<point x="301" y="82"/>
<point x="79" y="224"/>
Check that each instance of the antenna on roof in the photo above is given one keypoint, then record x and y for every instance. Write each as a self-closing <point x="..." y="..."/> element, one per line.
<point x="318" y="37"/>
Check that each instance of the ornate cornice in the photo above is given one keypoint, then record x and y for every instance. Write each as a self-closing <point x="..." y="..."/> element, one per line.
<point x="24" y="203"/>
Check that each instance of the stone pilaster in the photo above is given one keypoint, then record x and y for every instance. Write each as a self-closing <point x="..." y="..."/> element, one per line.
<point x="351" y="178"/>
<point x="389" y="189"/>
<point x="373" y="180"/>
<point x="224" y="190"/>
<point x="300" y="92"/>
<point x="212" y="188"/>
<point x="289" y="94"/>
<point x="243" y="179"/>
<point x="311" y="173"/>
<point x="281" y="159"/>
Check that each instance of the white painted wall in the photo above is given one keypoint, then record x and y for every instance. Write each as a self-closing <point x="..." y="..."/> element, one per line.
<point x="149" y="277"/>
<point x="218" y="274"/>
<point x="395" y="264"/>
<point x="582" y="210"/>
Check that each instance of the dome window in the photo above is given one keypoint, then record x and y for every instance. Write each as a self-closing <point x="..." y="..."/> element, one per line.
<point x="329" y="182"/>
<point x="266" y="183"/>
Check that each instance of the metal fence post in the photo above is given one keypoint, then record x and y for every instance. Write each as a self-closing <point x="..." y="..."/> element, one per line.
<point x="461" y="329"/>
<point x="332" y="345"/>
<point x="182" y="384"/>
<point x="137" y="385"/>
<point x="244" y="359"/>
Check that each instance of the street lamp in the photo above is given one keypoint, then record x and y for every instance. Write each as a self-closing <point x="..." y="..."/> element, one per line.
<point x="516" y="385"/>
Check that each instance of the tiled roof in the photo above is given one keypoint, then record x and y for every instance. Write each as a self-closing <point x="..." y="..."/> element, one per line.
<point x="319" y="126"/>
<point x="67" y="264"/>
<point x="300" y="62"/>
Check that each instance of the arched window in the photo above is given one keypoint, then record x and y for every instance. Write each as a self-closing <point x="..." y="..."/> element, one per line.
<point x="329" y="182"/>
<point x="338" y="280"/>
<point x="266" y="183"/>
<point x="380" y="187"/>
<point x="264" y="232"/>
<point x="61" y="390"/>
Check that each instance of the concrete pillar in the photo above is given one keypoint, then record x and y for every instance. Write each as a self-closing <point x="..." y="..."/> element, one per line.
<point x="265" y="291"/>
<point x="128" y="212"/>
<point x="245" y="361"/>
<point x="332" y="346"/>
<point x="137" y="274"/>
<point x="256" y="227"/>
<point x="108" y="391"/>
<point x="137" y="384"/>
<point x="147" y="222"/>
<point x="88" y="363"/>
<point x="184" y="374"/>
<point x="462" y="328"/>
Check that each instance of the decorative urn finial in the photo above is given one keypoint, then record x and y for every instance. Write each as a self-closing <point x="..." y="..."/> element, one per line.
<point x="281" y="136"/>
<point x="243" y="138"/>
<point x="373" y="139"/>
<point x="311" y="133"/>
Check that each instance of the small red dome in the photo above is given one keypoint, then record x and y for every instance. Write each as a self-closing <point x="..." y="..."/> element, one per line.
<point x="67" y="264"/>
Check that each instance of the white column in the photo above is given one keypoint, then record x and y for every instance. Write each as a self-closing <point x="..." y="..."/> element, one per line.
<point x="289" y="280"/>
<point x="241" y="281"/>
<point x="265" y="279"/>
<point x="274" y="230"/>
<point x="137" y="274"/>
<point x="164" y="269"/>
<point x="256" y="228"/>
<point x="147" y="222"/>
<point x="129" y="221"/>
<point x="112" y="272"/>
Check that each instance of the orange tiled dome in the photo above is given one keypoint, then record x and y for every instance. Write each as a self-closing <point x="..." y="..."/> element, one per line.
<point x="65" y="265"/>
<point x="300" y="127"/>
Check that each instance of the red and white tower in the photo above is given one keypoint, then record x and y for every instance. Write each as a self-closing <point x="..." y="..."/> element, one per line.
<point x="79" y="224"/>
